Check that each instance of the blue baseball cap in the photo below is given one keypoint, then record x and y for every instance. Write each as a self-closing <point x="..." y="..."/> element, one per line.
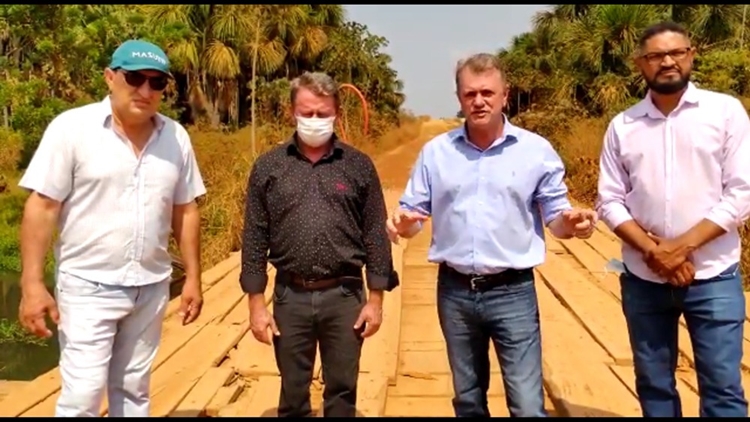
<point x="137" y="55"/>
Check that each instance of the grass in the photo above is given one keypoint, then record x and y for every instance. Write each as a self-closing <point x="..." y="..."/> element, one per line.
<point x="12" y="332"/>
<point x="579" y="143"/>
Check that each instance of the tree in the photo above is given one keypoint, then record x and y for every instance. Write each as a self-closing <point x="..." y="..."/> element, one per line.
<point x="580" y="56"/>
<point x="224" y="57"/>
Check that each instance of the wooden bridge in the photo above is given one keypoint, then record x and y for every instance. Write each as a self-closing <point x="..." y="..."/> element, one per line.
<point x="216" y="368"/>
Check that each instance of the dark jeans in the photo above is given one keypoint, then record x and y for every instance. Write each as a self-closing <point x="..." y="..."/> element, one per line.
<point x="506" y="314"/>
<point x="714" y="311"/>
<point x="306" y="318"/>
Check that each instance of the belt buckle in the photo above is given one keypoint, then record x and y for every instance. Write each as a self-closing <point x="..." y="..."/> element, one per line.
<point x="475" y="280"/>
<point x="307" y="283"/>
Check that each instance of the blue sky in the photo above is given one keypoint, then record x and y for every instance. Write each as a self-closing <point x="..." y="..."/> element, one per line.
<point x="426" y="41"/>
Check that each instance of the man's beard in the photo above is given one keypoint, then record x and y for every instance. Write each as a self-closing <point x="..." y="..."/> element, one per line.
<point x="669" y="87"/>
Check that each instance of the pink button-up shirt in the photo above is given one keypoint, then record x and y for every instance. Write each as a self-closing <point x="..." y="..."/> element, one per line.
<point x="669" y="173"/>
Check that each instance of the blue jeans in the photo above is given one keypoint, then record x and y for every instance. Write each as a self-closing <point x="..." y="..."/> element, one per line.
<point x="714" y="311"/>
<point x="506" y="314"/>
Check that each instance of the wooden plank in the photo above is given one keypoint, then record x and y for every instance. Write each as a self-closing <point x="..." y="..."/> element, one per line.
<point x="690" y="379"/>
<point x="178" y="336"/>
<point x="195" y="403"/>
<point x="371" y="395"/>
<point x="592" y="261"/>
<point x="412" y="345"/>
<point x="209" y="278"/>
<point x="46" y="388"/>
<point x="35" y="392"/>
<point x="223" y="397"/>
<point x="420" y="324"/>
<point x="690" y="400"/>
<point x="435" y="385"/>
<point x="175" y="379"/>
<point x="579" y="384"/>
<point x="603" y="229"/>
<point x="414" y="407"/>
<point x="553" y="245"/>
<point x="380" y="353"/>
<point x="264" y="403"/>
<point x="587" y="256"/>
<point x="239" y="314"/>
<point x="605" y="246"/>
<point x="596" y="311"/>
<point x="239" y="407"/>
<point x="6" y="387"/>
<point x="253" y="358"/>
<point x="611" y="283"/>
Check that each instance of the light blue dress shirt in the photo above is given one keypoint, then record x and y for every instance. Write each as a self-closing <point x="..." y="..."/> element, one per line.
<point x="488" y="208"/>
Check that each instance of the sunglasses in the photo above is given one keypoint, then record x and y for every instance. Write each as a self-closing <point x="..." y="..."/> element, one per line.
<point x="137" y="79"/>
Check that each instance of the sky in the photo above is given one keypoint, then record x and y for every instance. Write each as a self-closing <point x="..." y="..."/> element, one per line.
<point x="427" y="41"/>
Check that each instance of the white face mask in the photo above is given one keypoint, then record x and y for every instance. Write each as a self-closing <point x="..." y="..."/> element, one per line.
<point x="315" y="131"/>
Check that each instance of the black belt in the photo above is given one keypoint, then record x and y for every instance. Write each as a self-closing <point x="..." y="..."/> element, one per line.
<point x="488" y="281"/>
<point x="318" y="283"/>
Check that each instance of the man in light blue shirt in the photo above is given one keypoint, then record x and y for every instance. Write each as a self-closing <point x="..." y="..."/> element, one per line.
<point x="490" y="188"/>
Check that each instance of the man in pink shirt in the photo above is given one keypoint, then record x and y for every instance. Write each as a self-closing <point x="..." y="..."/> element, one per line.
<point x="674" y="185"/>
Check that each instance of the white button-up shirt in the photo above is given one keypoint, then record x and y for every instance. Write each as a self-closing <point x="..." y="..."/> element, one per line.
<point x="670" y="172"/>
<point x="116" y="215"/>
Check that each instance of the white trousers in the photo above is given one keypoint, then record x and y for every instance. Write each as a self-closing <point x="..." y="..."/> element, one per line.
<point x="109" y="336"/>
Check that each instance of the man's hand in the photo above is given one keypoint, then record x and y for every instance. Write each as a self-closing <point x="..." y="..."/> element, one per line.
<point x="683" y="276"/>
<point x="402" y="223"/>
<point x="371" y="316"/>
<point x="667" y="256"/>
<point x="191" y="301"/>
<point x="579" y="222"/>
<point x="261" y="321"/>
<point x="36" y="303"/>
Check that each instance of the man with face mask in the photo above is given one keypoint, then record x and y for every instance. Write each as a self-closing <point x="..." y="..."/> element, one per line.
<point x="674" y="185"/>
<point x="315" y="210"/>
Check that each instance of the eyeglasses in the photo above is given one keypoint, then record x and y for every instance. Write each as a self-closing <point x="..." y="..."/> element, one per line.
<point x="137" y="79"/>
<point x="676" y="54"/>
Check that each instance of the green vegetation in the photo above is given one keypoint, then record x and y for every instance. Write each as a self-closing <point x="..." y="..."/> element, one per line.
<point x="232" y="66"/>
<point x="12" y="332"/>
<point x="574" y="71"/>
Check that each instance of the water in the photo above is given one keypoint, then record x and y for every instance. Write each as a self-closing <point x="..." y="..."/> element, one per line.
<point x="23" y="361"/>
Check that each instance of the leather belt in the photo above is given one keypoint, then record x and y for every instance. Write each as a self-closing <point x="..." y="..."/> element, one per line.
<point x="322" y="284"/>
<point x="488" y="281"/>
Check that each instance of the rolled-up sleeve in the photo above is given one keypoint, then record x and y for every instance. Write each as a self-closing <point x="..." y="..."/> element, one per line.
<point x="50" y="172"/>
<point x="379" y="254"/>
<point x="551" y="192"/>
<point x="734" y="206"/>
<point x="614" y="183"/>
<point x="255" y="234"/>
<point x="418" y="193"/>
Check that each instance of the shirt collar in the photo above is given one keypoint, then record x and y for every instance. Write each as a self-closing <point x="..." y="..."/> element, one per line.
<point x="646" y="106"/>
<point x="292" y="146"/>
<point x="105" y="109"/>
<point x="510" y="133"/>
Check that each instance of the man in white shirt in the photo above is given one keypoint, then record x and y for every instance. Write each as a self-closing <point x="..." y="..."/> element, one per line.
<point x="115" y="178"/>
<point x="675" y="186"/>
